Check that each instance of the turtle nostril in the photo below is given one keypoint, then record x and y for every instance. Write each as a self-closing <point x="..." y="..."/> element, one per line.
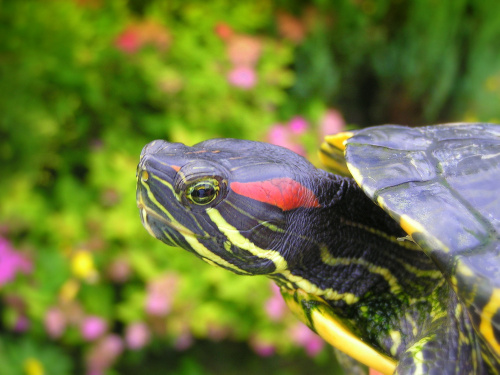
<point x="144" y="175"/>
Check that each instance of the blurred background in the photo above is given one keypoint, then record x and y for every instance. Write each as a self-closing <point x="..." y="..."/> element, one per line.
<point x="85" y="84"/>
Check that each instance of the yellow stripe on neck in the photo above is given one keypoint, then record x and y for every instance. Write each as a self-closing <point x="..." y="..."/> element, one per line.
<point x="237" y="239"/>
<point x="386" y="274"/>
<point x="190" y="237"/>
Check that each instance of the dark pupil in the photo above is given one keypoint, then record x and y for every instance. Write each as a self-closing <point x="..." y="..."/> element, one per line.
<point x="202" y="193"/>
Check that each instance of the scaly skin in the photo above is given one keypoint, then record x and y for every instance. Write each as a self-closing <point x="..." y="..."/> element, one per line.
<point x="276" y="214"/>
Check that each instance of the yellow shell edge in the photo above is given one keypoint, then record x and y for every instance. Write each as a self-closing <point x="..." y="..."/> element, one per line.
<point x="338" y="140"/>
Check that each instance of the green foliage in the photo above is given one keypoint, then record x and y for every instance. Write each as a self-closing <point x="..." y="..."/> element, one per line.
<point x="411" y="62"/>
<point x="21" y="356"/>
<point x="87" y="83"/>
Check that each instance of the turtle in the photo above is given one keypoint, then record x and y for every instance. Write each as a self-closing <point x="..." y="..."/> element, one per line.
<point x="394" y="259"/>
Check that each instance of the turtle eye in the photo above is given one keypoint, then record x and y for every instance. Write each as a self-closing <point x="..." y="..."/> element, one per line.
<point x="203" y="192"/>
<point x="200" y="184"/>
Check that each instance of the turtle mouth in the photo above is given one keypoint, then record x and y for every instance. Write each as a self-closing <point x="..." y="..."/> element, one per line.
<point x="157" y="224"/>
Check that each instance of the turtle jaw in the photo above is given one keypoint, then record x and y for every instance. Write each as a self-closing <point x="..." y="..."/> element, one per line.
<point x="158" y="226"/>
<point x="153" y="218"/>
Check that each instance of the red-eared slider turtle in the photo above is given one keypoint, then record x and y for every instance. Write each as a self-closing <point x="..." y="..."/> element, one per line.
<point x="398" y="265"/>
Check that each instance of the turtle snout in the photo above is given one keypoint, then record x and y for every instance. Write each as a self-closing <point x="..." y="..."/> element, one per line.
<point x="161" y="147"/>
<point x="161" y="158"/>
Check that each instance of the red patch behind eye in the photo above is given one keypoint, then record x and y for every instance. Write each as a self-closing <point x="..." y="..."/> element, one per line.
<point x="284" y="193"/>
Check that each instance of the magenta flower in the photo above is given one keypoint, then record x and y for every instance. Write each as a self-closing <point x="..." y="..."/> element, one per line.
<point x="11" y="262"/>
<point x="298" y="125"/>
<point x="22" y="324"/>
<point x="93" y="327"/>
<point x="18" y="321"/>
<point x="243" y="77"/>
<point x="55" y="322"/>
<point x="160" y="295"/>
<point x="306" y="338"/>
<point x="137" y="335"/>
<point x="275" y="306"/>
<point x="331" y="123"/>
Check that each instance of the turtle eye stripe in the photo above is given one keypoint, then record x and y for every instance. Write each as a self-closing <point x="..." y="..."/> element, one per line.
<point x="284" y="193"/>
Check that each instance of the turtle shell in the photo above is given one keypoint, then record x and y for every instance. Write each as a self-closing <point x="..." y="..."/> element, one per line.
<point x="441" y="183"/>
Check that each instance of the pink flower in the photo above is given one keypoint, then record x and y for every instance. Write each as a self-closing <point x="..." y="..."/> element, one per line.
<point x="244" y="50"/>
<point x="291" y="27"/>
<point x="73" y="312"/>
<point x="331" y="123"/>
<point x="276" y="306"/>
<point x="261" y="347"/>
<point x="93" y="327"/>
<point x="136" y="35"/>
<point x="119" y="270"/>
<point x="282" y="136"/>
<point x="306" y="338"/>
<point x="223" y="31"/>
<point x="278" y="135"/>
<point x="112" y="344"/>
<point x="137" y="335"/>
<point x="103" y="354"/>
<point x="158" y="304"/>
<point x="243" y="77"/>
<point x="298" y="125"/>
<point x="11" y="262"/>
<point x="160" y="294"/>
<point x="55" y="322"/>
<point x="128" y="41"/>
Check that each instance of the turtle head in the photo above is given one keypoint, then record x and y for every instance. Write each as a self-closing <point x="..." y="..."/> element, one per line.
<point x="230" y="202"/>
